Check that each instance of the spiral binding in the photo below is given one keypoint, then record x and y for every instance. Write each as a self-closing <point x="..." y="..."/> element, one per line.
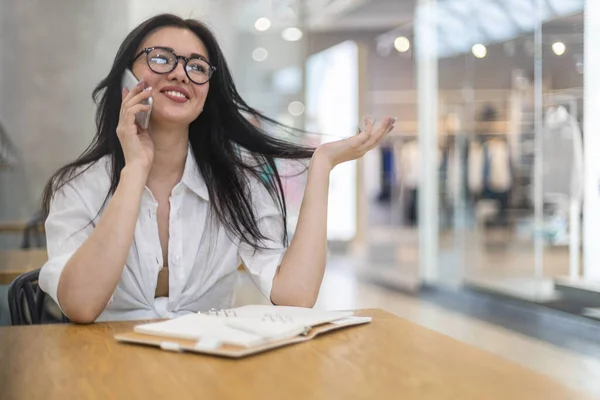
<point x="219" y="313"/>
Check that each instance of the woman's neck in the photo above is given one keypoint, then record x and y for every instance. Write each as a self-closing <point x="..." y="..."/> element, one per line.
<point x="170" y="153"/>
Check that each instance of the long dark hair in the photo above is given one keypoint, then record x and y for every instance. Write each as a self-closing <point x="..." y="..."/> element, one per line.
<point x="221" y="138"/>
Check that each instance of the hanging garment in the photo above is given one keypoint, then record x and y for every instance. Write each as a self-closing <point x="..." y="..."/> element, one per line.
<point x="475" y="172"/>
<point x="412" y="210"/>
<point x="409" y="164"/>
<point x="562" y="154"/>
<point x="386" y="178"/>
<point x="497" y="169"/>
<point x="452" y="175"/>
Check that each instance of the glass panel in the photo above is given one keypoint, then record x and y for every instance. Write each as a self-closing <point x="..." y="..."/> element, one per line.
<point x="462" y="24"/>
<point x="498" y="121"/>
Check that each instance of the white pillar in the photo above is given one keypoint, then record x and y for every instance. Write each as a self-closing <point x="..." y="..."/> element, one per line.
<point x="538" y="200"/>
<point x="427" y="81"/>
<point x="591" y="221"/>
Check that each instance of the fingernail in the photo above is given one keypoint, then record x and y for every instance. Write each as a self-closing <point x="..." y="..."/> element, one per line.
<point x="394" y="119"/>
<point x="148" y="89"/>
<point x="140" y="83"/>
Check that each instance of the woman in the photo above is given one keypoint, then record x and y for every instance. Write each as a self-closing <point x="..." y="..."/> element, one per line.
<point x="152" y="223"/>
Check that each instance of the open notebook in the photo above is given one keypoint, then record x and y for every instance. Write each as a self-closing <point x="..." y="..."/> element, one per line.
<point x="242" y="331"/>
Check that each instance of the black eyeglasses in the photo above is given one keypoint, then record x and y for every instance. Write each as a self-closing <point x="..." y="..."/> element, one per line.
<point x="163" y="60"/>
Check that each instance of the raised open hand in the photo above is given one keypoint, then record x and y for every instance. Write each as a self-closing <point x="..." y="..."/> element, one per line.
<point x="354" y="147"/>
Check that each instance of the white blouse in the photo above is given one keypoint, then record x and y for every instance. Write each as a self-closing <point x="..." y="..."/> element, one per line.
<point x="202" y="258"/>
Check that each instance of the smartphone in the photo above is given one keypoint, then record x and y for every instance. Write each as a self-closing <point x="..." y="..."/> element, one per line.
<point x="129" y="81"/>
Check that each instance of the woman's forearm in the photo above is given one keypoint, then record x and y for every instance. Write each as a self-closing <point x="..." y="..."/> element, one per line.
<point x="93" y="272"/>
<point x="300" y="274"/>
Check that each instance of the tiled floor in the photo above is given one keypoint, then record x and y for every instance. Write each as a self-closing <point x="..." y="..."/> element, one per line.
<point x="342" y="290"/>
<point x="499" y="259"/>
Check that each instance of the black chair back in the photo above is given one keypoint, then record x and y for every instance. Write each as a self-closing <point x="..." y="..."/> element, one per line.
<point x="29" y="305"/>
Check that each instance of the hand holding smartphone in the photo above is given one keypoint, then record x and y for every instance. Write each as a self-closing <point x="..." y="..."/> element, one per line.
<point x="129" y="81"/>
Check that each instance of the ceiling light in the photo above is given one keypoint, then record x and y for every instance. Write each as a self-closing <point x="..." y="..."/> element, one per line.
<point x="262" y="24"/>
<point x="559" y="48"/>
<point x="402" y="44"/>
<point x="296" y="108"/>
<point x="291" y="34"/>
<point x="479" y="50"/>
<point x="260" y="54"/>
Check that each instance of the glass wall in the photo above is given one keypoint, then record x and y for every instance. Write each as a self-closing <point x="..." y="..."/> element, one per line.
<point x="509" y="144"/>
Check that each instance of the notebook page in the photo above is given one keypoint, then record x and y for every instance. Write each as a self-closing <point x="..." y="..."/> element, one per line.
<point x="296" y="315"/>
<point x="243" y="326"/>
<point x="198" y="327"/>
<point x="242" y="331"/>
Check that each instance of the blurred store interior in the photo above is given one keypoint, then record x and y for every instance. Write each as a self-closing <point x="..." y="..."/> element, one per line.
<point x="477" y="217"/>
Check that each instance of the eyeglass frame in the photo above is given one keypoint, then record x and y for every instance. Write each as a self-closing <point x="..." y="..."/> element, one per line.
<point x="147" y="50"/>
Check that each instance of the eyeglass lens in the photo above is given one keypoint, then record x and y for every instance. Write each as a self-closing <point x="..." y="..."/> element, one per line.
<point x="163" y="61"/>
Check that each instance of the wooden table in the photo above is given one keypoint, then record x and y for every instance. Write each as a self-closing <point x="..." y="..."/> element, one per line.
<point x="16" y="262"/>
<point x="388" y="359"/>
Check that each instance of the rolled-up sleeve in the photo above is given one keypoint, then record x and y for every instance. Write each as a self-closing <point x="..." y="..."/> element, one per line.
<point x="69" y="224"/>
<point x="262" y="264"/>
